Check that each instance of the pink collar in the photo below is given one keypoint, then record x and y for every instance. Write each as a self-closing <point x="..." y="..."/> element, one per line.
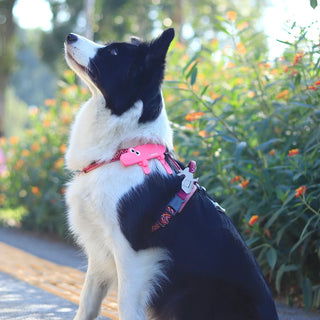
<point x="138" y="155"/>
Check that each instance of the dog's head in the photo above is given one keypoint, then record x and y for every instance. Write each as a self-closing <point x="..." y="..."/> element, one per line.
<point x="122" y="72"/>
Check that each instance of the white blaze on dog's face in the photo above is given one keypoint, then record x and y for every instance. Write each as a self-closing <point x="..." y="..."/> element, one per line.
<point x="78" y="52"/>
<point x="122" y="72"/>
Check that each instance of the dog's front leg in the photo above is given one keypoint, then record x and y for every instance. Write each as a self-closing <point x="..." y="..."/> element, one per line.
<point x="99" y="278"/>
<point x="131" y="300"/>
<point x="138" y="273"/>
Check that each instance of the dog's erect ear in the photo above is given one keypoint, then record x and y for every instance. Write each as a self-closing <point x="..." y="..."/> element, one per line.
<point x="159" y="47"/>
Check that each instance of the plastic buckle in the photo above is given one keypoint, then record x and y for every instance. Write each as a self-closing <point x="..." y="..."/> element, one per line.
<point x="175" y="203"/>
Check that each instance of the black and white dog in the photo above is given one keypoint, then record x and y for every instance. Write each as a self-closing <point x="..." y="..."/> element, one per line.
<point x="127" y="189"/>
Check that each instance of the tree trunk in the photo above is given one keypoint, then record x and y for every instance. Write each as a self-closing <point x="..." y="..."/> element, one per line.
<point x="3" y="85"/>
<point x="6" y="53"/>
<point x="178" y="18"/>
<point x="89" y="12"/>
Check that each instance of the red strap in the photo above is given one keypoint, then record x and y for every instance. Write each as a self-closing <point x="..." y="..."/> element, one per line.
<point x="97" y="164"/>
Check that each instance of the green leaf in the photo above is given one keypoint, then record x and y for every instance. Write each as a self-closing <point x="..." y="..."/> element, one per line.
<point x="307" y="293"/>
<point x="240" y="147"/>
<point x="313" y="3"/>
<point x="204" y="90"/>
<point x="219" y="27"/>
<point x="228" y="138"/>
<point x="189" y="63"/>
<point x="266" y="145"/>
<point x="297" y="80"/>
<point x="193" y="76"/>
<point x="286" y="42"/>
<point x="272" y="257"/>
<point x="191" y="71"/>
<point x="284" y="268"/>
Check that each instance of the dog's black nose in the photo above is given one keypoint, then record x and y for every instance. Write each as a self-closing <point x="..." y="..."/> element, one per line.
<point x="71" y="38"/>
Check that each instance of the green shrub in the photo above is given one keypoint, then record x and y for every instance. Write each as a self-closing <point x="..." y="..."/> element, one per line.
<point x="254" y="129"/>
<point x="34" y="180"/>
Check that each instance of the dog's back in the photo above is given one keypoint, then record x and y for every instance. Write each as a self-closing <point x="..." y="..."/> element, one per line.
<point x="212" y="273"/>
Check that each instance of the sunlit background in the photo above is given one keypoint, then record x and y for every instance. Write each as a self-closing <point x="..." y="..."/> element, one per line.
<point x="275" y="15"/>
<point x="36" y="49"/>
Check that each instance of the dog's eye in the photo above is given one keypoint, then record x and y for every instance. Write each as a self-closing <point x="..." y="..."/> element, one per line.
<point x="132" y="150"/>
<point x="114" y="52"/>
<point x="138" y="153"/>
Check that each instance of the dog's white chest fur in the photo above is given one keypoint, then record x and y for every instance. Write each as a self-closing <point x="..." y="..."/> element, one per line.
<point x="93" y="198"/>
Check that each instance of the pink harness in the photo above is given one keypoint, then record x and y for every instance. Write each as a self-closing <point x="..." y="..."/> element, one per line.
<point x="140" y="155"/>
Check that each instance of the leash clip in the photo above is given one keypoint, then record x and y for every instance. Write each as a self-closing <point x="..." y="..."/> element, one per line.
<point x="188" y="180"/>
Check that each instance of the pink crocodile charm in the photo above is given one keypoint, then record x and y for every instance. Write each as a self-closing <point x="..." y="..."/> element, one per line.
<point x="141" y="154"/>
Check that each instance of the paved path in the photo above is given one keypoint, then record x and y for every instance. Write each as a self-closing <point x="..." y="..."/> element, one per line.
<point x="41" y="279"/>
<point x="21" y="301"/>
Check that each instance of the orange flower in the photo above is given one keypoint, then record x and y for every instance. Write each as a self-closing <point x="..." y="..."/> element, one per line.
<point x="46" y="123"/>
<point x="196" y="153"/>
<point x="283" y="94"/>
<point x="35" y="190"/>
<point x="241" y="48"/>
<point x="50" y="102"/>
<point x="65" y="104"/>
<point x="244" y="183"/>
<point x="25" y="152"/>
<point x="251" y="94"/>
<point x="214" y="96"/>
<point x="242" y="25"/>
<point x="59" y="163"/>
<point x="189" y="126"/>
<point x="84" y="90"/>
<point x="230" y="65"/>
<point x="293" y="152"/>
<point x="19" y="164"/>
<point x="253" y="220"/>
<point x="285" y="69"/>
<point x="2" y="199"/>
<point x="202" y="133"/>
<point x="236" y="179"/>
<point x="63" y="148"/>
<point x="317" y="83"/>
<point x="297" y="58"/>
<point x="268" y="233"/>
<point x="272" y="152"/>
<point x="300" y="191"/>
<point x="231" y="16"/>
<point x="313" y="88"/>
<point x="66" y="119"/>
<point x="43" y="139"/>
<point x="183" y="86"/>
<point x="35" y="146"/>
<point x="194" y="116"/>
<point x="14" y="140"/>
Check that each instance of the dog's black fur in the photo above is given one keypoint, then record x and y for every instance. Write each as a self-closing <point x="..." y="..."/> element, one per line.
<point x="137" y="70"/>
<point x="213" y="275"/>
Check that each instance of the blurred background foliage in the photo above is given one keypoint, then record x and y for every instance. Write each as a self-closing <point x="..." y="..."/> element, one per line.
<point x="251" y="124"/>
